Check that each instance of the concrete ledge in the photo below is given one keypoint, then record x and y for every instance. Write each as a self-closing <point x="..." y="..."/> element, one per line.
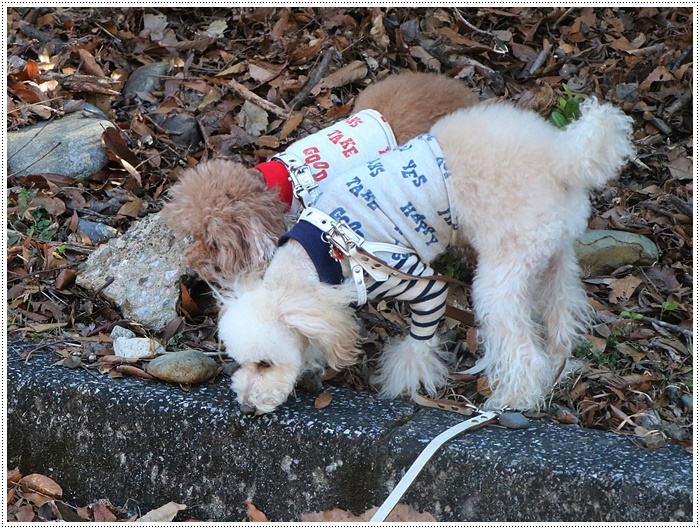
<point x="151" y="443"/>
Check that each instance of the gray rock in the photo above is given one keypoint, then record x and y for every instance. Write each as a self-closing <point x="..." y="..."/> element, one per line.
<point x="674" y="431"/>
<point x="146" y="79"/>
<point x="514" y="420"/>
<point x="97" y="233"/>
<point x="687" y="401"/>
<point x="137" y="347"/>
<point x="183" y="367"/>
<point x="70" y="146"/>
<point x="121" y="332"/>
<point x="182" y="126"/>
<point x="146" y="263"/>
<point x="602" y="251"/>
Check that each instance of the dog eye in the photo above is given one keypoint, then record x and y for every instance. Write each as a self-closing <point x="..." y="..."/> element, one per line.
<point x="263" y="364"/>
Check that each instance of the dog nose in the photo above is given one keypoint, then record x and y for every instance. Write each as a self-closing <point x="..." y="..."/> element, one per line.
<point x="247" y="410"/>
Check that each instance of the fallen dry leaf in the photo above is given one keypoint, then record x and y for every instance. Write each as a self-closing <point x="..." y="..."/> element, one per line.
<point x="25" y="514"/>
<point x="101" y="513"/>
<point x="255" y="514"/>
<point x="323" y="400"/>
<point x="349" y="73"/>
<point x="41" y="484"/>
<point x="14" y="475"/>
<point x="290" y="125"/>
<point x="166" y="513"/>
<point x="622" y="289"/>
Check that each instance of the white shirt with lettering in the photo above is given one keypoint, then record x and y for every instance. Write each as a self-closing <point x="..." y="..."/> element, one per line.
<point x="400" y="198"/>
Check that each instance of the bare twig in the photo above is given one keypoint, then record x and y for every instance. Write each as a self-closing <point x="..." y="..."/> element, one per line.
<point x="108" y="281"/>
<point x="318" y="72"/>
<point x="41" y="272"/>
<point x="541" y="58"/>
<point x="679" y="103"/>
<point x="563" y="17"/>
<point x="28" y="105"/>
<point x="468" y="61"/>
<point x="36" y="161"/>
<point x="259" y="101"/>
<point x="649" y="50"/>
<point x="658" y="123"/>
<point x="464" y="21"/>
<point x="666" y="325"/>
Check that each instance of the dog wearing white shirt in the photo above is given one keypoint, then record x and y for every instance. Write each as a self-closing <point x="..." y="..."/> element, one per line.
<point x="503" y="180"/>
<point x="235" y="213"/>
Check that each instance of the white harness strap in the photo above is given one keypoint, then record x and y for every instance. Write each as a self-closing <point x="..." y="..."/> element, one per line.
<point x="304" y="187"/>
<point x="358" y="251"/>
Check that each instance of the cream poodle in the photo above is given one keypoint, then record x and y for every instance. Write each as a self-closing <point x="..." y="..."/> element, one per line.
<point x="235" y="214"/>
<point x="503" y="180"/>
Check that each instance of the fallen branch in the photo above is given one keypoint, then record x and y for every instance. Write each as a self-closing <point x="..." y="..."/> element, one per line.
<point x="679" y="103"/>
<point x="669" y="326"/>
<point x="318" y="73"/>
<point x="259" y="101"/>
<point x="563" y="17"/>
<point x="464" y="21"/>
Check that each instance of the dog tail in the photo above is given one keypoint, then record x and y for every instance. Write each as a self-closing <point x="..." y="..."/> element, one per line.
<point x="598" y="144"/>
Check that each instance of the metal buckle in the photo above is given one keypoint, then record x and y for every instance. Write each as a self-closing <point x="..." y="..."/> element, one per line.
<point x="349" y="236"/>
<point x="300" y="176"/>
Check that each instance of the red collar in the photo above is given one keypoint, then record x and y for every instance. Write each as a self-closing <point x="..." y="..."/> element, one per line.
<point x="276" y="175"/>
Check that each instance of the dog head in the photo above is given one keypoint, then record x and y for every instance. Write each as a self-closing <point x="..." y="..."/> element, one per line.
<point x="234" y="219"/>
<point x="276" y="334"/>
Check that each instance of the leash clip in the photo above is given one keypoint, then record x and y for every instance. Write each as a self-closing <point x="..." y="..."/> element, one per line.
<point x="304" y="187"/>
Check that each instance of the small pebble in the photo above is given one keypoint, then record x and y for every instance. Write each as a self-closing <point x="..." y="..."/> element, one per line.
<point x="687" y="401"/>
<point x="673" y="393"/>
<point x="310" y="382"/>
<point x="121" y="332"/>
<point x="183" y="367"/>
<point x="655" y="439"/>
<point x="137" y="347"/>
<point x="71" y="362"/>
<point x="513" y="420"/>
<point x="97" y="233"/>
<point x="650" y="419"/>
<point x="230" y="368"/>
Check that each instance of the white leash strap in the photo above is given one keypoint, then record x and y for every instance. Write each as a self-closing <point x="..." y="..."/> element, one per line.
<point x="424" y="457"/>
<point x="304" y="187"/>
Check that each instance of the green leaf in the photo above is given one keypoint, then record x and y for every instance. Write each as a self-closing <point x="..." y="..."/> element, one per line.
<point x="571" y="110"/>
<point x="668" y="306"/>
<point x="631" y="315"/>
<point x="559" y="119"/>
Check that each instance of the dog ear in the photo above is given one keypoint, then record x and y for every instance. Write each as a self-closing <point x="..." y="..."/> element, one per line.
<point x="325" y="317"/>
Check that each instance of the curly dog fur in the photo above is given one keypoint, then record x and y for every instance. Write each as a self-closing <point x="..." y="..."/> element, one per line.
<point x="519" y="188"/>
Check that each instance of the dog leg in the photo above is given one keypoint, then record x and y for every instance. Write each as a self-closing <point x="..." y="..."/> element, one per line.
<point x="515" y="362"/>
<point x="406" y="363"/>
<point x="563" y="304"/>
